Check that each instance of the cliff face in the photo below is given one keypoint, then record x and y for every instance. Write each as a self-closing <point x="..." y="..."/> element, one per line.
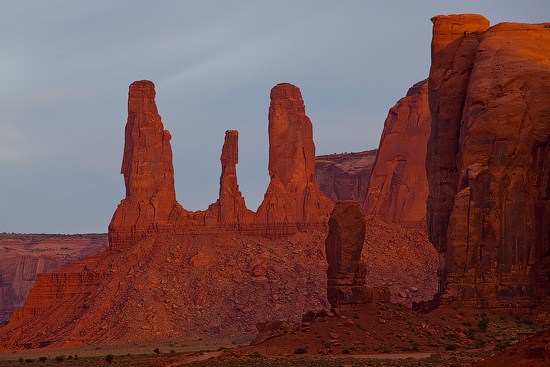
<point x="24" y="257"/>
<point x="488" y="159"/>
<point x="398" y="187"/>
<point x="345" y="176"/>
<point x="293" y="201"/>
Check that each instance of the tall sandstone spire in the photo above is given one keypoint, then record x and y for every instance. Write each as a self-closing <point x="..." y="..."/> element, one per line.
<point x="293" y="200"/>
<point x="488" y="160"/>
<point x="150" y="204"/>
<point x="230" y="208"/>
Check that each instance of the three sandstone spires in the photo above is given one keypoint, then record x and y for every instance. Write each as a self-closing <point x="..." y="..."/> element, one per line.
<point x="292" y="203"/>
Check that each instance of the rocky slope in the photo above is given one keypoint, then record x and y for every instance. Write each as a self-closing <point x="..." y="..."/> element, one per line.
<point x="22" y="257"/>
<point x="345" y="176"/>
<point x="488" y="159"/>
<point x="398" y="186"/>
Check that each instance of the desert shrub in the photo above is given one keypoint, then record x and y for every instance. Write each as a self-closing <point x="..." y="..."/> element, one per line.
<point x="301" y="350"/>
<point x="527" y="320"/>
<point x="43" y="359"/>
<point x="479" y="342"/>
<point x="451" y="346"/>
<point x="345" y="351"/>
<point x="499" y="347"/>
<point x="483" y="323"/>
<point x="29" y="360"/>
<point x="109" y="358"/>
<point x="156" y="350"/>
<point x="60" y="358"/>
<point x="21" y="360"/>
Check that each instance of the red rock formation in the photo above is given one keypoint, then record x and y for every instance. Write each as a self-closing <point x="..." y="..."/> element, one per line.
<point x="345" y="176"/>
<point x="398" y="187"/>
<point x="487" y="162"/>
<point x="230" y="208"/>
<point x="150" y="205"/>
<point x="293" y="202"/>
<point x="454" y="45"/>
<point x="343" y="247"/>
<point x="24" y="256"/>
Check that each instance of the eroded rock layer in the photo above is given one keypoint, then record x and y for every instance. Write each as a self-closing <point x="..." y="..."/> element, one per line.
<point x="22" y="257"/>
<point x="488" y="159"/>
<point x="398" y="187"/>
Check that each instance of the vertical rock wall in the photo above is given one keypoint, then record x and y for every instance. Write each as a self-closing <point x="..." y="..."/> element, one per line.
<point x="398" y="187"/>
<point x="488" y="159"/>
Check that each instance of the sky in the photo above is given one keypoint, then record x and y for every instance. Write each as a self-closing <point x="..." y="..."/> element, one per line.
<point x="65" y="68"/>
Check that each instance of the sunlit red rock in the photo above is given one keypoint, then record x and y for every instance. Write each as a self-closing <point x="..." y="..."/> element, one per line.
<point x="293" y="202"/>
<point x="150" y="204"/>
<point x="488" y="159"/>
<point x="230" y="207"/>
<point x="398" y="187"/>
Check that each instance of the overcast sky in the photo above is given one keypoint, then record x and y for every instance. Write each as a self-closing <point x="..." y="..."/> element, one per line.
<point x="65" y="68"/>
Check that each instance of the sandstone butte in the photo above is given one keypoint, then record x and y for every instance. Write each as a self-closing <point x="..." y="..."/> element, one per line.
<point x="488" y="161"/>
<point x="172" y="273"/>
<point x="346" y="272"/>
<point x="398" y="186"/>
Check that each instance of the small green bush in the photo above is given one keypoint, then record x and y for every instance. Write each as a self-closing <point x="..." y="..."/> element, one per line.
<point x="300" y="351"/>
<point x="451" y="346"/>
<point x="21" y="360"/>
<point x="479" y="342"/>
<point x="29" y="360"/>
<point x="109" y="358"/>
<point x="43" y="359"/>
<point x="60" y="358"/>
<point x="483" y="323"/>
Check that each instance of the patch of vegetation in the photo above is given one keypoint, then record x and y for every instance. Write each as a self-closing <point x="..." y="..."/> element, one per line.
<point x="301" y="350"/>
<point x="483" y="324"/>
<point x="451" y="347"/>
<point x="109" y="358"/>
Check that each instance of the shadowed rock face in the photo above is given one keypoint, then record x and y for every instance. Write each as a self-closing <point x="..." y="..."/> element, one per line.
<point x="398" y="187"/>
<point x="488" y="159"/>
<point x="343" y="246"/>
<point x="345" y="176"/>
